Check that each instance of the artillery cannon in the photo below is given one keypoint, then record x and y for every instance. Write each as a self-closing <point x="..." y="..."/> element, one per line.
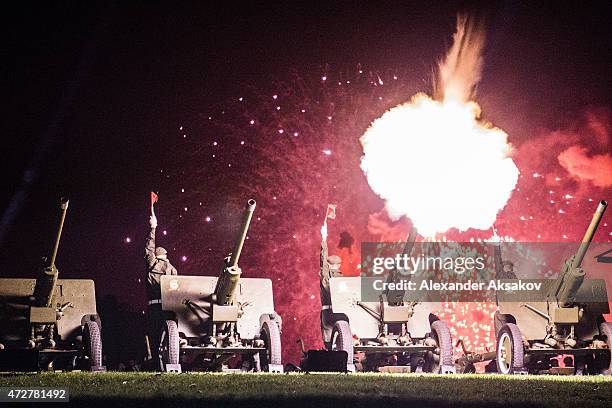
<point x="49" y="322"/>
<point x="566" y="318"/>
<point x="221" y="324"/>
<point x="391" y="335"/>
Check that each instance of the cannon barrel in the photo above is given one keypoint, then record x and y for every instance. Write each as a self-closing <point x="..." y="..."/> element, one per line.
<point x="396" y="297"/>
<point x="572" y="276"/>
<point x="589" y="234"/>
<point x="244" y="228"/>
<point x="46" y="282"/>
<point x="230" y="275"/>
<point x="64" y="208"/>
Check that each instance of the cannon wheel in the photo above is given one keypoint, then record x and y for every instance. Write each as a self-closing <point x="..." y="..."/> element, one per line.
<point x="271" y="337"/>
<point x="605" y="329"/>
<point x="441" y="334"/>
<point x="92" y="344"/>
<point x="510" y="353"/>
<point x="169" y="344"/>
<point x="342" y="339"/>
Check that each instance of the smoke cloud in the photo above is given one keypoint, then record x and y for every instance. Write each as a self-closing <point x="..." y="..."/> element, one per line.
<point x="597" y="168"/>
<point x="461" y="68"/>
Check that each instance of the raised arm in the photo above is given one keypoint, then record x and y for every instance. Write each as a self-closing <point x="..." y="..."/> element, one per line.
<point x="323" y="245"/>
<point x="150" y="243"/>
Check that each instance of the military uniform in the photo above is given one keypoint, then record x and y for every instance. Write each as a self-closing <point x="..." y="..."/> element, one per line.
<point x="156" y="267"/>
<point x="328" y="318"/>
<point x="503" y="270"/>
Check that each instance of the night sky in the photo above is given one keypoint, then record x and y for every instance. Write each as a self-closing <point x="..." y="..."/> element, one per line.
<point x="108" y="102"/>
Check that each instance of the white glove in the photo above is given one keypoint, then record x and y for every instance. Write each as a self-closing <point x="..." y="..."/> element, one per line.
<point x="153" y="221"/>
<point x="324" y="232"/>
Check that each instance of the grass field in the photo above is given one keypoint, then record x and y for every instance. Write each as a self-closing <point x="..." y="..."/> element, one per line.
<point x="321" y="390"/>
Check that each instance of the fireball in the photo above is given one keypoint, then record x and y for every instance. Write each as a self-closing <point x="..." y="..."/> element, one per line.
<point x="436" y="161"/>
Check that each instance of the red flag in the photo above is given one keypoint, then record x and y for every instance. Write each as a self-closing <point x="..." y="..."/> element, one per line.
<point x="154" y="198"/>
<point x="331" y="212"/>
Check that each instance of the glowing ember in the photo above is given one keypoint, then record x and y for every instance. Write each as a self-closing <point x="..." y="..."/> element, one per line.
<point x="434" y="161"/>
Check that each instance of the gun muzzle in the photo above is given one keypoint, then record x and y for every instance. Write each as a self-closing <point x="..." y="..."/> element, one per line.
<point x="244" y="228"/>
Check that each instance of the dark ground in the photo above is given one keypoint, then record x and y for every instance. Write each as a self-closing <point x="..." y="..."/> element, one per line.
<point x="322" y="390"/>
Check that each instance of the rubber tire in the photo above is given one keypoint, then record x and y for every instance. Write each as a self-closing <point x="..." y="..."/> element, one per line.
<point x="342" y="339"/>
<point x="517" y="358"/>
<point x="169" y="344"/>
<point x="605" y="329"/>
<point x="441" y="333"/>
<point x="272" y="340"/>
<point x="92" y="344"/>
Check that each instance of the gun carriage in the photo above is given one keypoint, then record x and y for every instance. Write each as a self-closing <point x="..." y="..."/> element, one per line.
<point x="391" y="335"/>
<point x="221" y="324"/>
<point x="47" y="322"/>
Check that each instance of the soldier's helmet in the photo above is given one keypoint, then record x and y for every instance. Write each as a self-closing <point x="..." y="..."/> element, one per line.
<point x="160" y="251"/>
<point x="334" y="260"/>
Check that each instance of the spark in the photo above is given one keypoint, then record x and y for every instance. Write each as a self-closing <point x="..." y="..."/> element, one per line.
<point x="327" y="152"/>
<point x="128" y="240"/>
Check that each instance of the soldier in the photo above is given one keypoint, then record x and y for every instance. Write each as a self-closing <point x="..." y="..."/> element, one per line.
<point x="330" y="267"/>
<point x="157" y="265"/>
<point x="504" y="269"/>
